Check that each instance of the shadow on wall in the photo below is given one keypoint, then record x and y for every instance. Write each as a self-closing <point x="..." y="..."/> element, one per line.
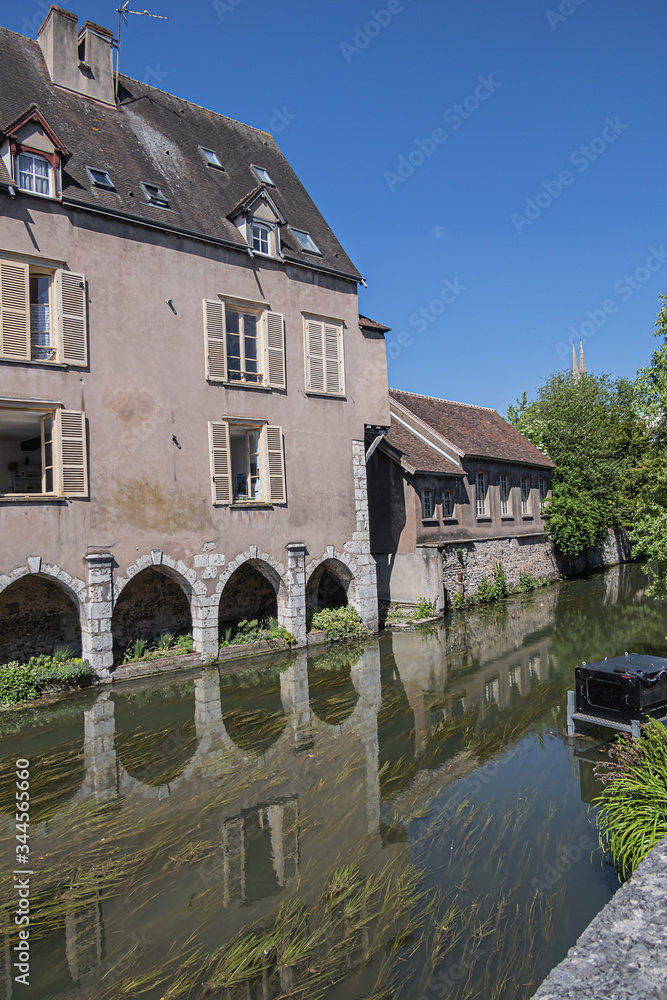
<point x="248" y="594"/>
<point x="36" y="616"/>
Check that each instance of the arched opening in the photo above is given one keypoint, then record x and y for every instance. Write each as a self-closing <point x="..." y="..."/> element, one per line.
<point x="250" y="594"/>
<point x="328" y="586"/>
<point x="150" y="605"/>
<point x="37" y="616"/>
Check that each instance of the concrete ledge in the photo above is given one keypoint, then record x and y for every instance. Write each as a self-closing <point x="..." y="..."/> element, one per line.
<point x="622" y="954"/>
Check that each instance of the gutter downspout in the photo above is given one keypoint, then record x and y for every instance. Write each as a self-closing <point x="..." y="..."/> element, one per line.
<point x="374" y="445"/>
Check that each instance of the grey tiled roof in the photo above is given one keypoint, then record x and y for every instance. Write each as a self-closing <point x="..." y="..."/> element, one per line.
<point x="155" y="137"/>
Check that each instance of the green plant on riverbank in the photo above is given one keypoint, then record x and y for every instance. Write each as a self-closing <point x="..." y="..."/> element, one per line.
<point x="633" y="804"/>
<point x="339" y="623"/>
<point x="255" y="631"/>
<point x="43" y="674"/>
<point x="166" y="645"/>
<point x="425" y="608"/>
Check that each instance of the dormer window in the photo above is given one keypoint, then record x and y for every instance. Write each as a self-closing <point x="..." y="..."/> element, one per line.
<point x="261" y="239"/>
<point x="263" y="175"/>
<point x="212" y="159"/>
<point x="306" y="240"/>
<point x="154" y="195"/>
<point x="34" y="174"/>
<point x="100" y="179"/>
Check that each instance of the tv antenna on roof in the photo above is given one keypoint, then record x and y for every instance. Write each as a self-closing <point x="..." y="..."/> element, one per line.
<point x="122" y="13"/>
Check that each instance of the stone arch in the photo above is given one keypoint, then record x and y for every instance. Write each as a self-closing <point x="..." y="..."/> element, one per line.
<point x="149" y="601"/>
<point x="250" y="592"/>
<point x="40" y="609"/>
<point x="328" y="583"/>
<point x="270" y="569"/>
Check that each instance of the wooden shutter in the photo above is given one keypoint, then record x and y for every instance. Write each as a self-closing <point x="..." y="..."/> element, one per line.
<point x="315" y="378"/>
<point x="216" y="345"/>
<point x="275" y="350"/>
<point x="70" y="442"/>
<point x="72" y="317"/>
<point x="332" y="359"/>
<point x="14" y="311"/>
<point x="275" y="464"/>
<point x="221" y="466"/>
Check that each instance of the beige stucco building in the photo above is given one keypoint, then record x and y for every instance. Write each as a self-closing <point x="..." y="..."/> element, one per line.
<point x="185" y="381"/>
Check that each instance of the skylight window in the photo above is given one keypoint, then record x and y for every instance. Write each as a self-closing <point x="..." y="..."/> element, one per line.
<point x="211" y="158"/>
<point x="100" y="179"/>
<point x="263" y="175"/>
<point x="306" y="240"/>
<point x="154" y="195"/>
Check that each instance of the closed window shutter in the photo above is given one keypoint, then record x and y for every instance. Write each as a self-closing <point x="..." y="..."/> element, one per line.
<point x="275" y="350"/>
<point x="72" y="313"/>
<point x="14" y="311"/>
<point x="315" y="380"/>
<point x="216" y="347"/>
<point x="275" y="464"/>
<point x="70" y="436"/>
<point x="332" y="359"/>
<point x="221" y="471"/>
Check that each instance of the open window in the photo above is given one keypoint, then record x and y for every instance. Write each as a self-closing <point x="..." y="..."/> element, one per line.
<point x="42" y="451"/>
<point x="245" y="344"/>
<point x="42" y="314"/>
<point x="247" y="464"/>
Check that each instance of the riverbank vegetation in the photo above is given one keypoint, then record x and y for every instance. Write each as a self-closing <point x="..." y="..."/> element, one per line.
<point x="61" y="671"/>
<point x="607" y="437"/>
<point x="633" y="803"/>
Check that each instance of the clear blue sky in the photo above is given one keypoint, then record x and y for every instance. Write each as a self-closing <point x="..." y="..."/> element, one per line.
<point x="349" y="104"/>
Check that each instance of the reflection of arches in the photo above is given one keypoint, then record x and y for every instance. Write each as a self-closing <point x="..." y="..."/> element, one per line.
<point x="60" y="775"/>
<point x="157" y="756"/>
<point x="328" y="585"/>
<point x="38" y="612"/>
<point x="258" y="718"/>
<point x="154" y="600"/>
<point x="250" y="592"/>
<point x="333" y="696"/>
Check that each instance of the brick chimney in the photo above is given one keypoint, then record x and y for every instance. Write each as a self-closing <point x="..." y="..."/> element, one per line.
<point x="81" y="61"/>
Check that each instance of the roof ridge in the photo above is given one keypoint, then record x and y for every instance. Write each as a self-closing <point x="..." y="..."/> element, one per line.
<point x="438" y="399"/>
<point x="194" y="104"/>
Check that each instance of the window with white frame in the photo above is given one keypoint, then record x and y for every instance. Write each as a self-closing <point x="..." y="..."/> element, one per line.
<point x="428" y="505"/>
<point x="323" y="343"/>
<point x="525" y="495"/>
<point x="42" y="451"/>
<point x="247" y="463"/>
<point x="245" y="344"/>
<point x="261" y="238"/>
<point x="542" y="486"/>
<point x="480" y="494"/>
<point x="505" y="501"/>
<point x="42" y="314"/>
<point x="34" y="174"/>
<point x="447" y="503"/>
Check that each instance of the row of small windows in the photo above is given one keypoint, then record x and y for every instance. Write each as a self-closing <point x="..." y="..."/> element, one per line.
<point x="482" y="510"/>
<point x="35" y="174"/>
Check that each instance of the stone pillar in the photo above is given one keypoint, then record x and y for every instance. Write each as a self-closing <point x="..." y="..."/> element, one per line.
<point x="205" y="625"/>
<point x="363" y="589"/>
<point x="96" y="612"/>
<point x="294" y="614"/>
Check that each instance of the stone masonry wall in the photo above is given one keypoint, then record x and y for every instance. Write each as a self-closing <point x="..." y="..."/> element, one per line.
<point x="465" y="563"/>
<point x="35" y="617"/>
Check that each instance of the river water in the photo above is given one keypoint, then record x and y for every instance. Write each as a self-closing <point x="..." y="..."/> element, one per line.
<point x="403" y="818"/>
